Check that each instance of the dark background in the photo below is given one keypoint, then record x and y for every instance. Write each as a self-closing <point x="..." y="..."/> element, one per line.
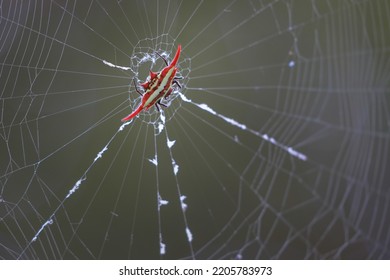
<point x="314" y="75"/>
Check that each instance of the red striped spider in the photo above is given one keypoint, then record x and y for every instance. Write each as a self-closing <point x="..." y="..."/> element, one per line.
<point x="158" y="86"/>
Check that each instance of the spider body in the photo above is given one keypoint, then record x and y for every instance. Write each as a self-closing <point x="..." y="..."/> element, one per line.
<point x="158" y="86"/>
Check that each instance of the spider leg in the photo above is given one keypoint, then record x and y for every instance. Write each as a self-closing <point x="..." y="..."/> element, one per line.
<point x="168" y="93"/>
<point x="136" y="88"/>
<point x="176" y="83"/>
<point x="161" y="104"/>
<point x="166" y="62"/>
<point x="158" y="109"/>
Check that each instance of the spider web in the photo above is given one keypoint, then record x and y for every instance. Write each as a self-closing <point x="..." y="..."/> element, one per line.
<point x="275" y="147"/>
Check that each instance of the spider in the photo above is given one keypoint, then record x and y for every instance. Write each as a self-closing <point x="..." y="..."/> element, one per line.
<point x="157" y="86"/>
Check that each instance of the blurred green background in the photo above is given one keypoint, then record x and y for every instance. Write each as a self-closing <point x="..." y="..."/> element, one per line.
<point x="311" y="74"/>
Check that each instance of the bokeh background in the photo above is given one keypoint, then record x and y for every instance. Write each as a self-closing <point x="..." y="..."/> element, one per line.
<point x="261" y="80"/>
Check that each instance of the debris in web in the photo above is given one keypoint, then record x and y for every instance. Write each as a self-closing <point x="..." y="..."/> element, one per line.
<point x="183" y="204"/>
<point x="235" y="123"/>
<point x="189" y="235"/>
<point x="77" y="185"/>
<point x="162" y="247"/>
<point x="154" y="160"/>
<point x="116" y="66"/>
<point x="48" y="222"/>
